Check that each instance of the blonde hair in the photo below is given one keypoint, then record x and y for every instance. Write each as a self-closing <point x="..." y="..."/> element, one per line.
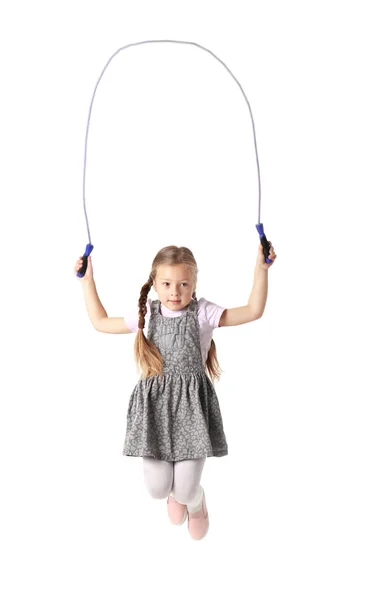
<point x="148" y="358"/>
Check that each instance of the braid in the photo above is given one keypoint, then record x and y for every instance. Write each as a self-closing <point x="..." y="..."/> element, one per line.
<point x="142" y="304"/>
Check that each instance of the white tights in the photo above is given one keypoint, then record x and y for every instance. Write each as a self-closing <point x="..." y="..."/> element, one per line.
<point x="180" y="479"/>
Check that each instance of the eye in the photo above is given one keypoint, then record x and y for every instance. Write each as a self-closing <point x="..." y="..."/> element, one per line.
<point x="167" y="283"/>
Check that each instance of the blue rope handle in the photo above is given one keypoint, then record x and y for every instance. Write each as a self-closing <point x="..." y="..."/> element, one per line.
<point x="259" y="226"/>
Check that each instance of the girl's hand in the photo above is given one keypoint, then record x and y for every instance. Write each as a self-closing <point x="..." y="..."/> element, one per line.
<point x="261" y="262"/>
<point x="88" y="276"/>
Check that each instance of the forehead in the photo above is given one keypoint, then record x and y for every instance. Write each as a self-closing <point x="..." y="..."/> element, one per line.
<point x="173" y="272"/>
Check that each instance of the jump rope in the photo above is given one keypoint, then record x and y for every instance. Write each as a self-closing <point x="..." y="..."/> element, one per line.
<point x="259" y="226"/>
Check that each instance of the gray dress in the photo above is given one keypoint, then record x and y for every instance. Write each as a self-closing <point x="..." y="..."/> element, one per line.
<point x="176" y="415"/>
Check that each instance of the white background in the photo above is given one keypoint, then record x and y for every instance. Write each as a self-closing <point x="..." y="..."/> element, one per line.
<point x="171" y="161"/>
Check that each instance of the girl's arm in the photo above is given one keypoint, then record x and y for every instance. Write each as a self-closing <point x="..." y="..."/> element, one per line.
<point x="95" y="309"/>
<point x="259" y="293"/>
<point x="257" y="300"/>
<point x="256" y="303"/>
<point x="97" y="313"/>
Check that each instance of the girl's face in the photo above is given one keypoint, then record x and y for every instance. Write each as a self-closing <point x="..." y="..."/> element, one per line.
<point x="174" y="286"/>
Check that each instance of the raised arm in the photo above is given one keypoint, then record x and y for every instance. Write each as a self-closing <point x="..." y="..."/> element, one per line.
<point x="95" y="310"/>
<point x="257" y="299"/>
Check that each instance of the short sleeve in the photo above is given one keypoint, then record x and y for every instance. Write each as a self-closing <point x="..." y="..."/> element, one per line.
<point x="211" y="311"/>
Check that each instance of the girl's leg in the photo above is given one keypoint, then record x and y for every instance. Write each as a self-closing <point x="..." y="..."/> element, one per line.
<point x="186" y="488"/>
<point x="158" y="476"/>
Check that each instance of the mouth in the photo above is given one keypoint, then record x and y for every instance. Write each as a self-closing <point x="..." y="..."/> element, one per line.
<point x="175" y="301"/>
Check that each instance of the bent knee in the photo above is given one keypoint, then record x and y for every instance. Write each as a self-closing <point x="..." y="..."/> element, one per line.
<point x="158" y="477"/>
<point x="158" y="490"/>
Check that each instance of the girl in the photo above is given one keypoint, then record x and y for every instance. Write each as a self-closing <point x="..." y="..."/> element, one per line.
<point x="173" y="419"/>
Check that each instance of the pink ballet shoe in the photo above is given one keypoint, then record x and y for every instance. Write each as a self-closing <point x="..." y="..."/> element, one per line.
<point x="198" y="522"/>
<point x="177" y="512"/>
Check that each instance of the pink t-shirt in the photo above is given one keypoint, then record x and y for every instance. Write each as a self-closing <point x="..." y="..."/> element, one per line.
<point x="208" y="315"/>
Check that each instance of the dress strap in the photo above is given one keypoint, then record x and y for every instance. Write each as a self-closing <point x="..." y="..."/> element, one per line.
<point x="192" y="307"/>
<point x="155" y="307"/>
